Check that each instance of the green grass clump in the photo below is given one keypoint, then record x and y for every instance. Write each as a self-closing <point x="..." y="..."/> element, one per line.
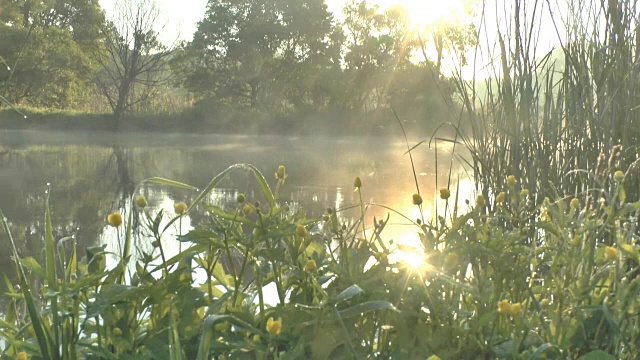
<point x="508" y="279"/>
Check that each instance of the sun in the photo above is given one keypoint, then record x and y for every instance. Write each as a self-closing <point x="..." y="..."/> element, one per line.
<point x="424" y="13"/>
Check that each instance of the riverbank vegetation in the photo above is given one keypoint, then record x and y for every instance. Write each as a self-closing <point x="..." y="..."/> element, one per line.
<point x="309" y="68"/>
<point x="544" y="263"/>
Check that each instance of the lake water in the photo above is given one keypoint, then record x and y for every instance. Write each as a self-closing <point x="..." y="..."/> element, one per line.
<point x="91" y="175"/>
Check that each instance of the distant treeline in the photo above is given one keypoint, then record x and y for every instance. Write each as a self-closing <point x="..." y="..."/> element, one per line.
<point x="251" y="65"/>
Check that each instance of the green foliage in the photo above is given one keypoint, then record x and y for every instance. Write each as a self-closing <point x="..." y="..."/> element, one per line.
<point x="338" y="290"/>
<point x="46" y="47"/>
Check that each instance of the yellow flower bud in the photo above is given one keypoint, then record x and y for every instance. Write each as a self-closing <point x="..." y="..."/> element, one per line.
<point x="433" y="357"/>
<point x="180" y="208"/>
<point x="480" y="202"/>
<point x="515" y="309"/>
<point x="444" y="193"/>
<point x="310" y="266"/>
<point x="281" y="173"/>
<point x="504" y="307"/>
<point x="417" y="199"/>
<point x="618" y="176"/>
<point x="240" y="198"/>
<point x="610" y="253"/>
<point x="301" y="231"/>
<point x="21" y="355"/>
<point x="141" y="202"/>
<point x="575" y="203"/>
<point x="524" y="193"/>
<point x="500" y="198"/>
<point x="117" y="331"/>
<point x="247" y="209"/>
<point x="114" y="219"/>
<point x="274" y="327"/>
<point x="511" y="180"/>
<point x="357" y="183"/>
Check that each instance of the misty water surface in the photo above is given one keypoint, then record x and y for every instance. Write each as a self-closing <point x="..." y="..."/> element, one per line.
<point x="91" y="175"/>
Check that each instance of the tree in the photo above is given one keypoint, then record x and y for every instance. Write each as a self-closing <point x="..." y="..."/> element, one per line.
<point x="132" y="60"/>
<point x="44" y="44"/>
<point x="252" y="52"/>
<point x="453" y="35"/>
<point x="377" y="45"/>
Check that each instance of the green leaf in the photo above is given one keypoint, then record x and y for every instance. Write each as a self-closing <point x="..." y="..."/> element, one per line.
<point x="43" y="336"/>
<point x="597" y="355"/>
<point x="218" y="178"/>
<point x="163" y="181"/>
<point x="216" y="211"/>
<point x="541" y="349"/>
<point x="366" y="307"/>
<point x="347" y="294"/>
<point x="631" y="251"/>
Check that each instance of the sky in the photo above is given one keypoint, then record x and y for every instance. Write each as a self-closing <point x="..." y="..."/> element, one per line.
<point x="180" y="18"/>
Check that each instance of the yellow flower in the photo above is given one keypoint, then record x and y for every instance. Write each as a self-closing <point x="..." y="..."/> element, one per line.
<point x="141" y="202"/>
<point x="310" y="266"/>
<point x="511" y="180"/>
<point x="618" y="176"/>
<point x="480" y="201"/>
<point x="274" y="327"/>
<point x="444" y="193"/>
<point x="524" y="193"/>
<point x="515" y="309"/>
<point x="504" y="307"/>
<point x="21" y="355"/>
<point x="610" y="253"/>
<point x="281" y="173"/>
<point x="180" y="208"/>
<point x="357" y="183"/>
<point x="115" y="219"/>
<point x="500" y="198"/>
<point x="417" y="199"/>
<point x="301" y="231"/>
<point x="575" y="203"/>
<point x="433" y="357"/>
<point x="247" y="209"/>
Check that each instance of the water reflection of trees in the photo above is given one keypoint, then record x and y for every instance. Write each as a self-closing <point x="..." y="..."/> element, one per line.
<point x="85" y="184"/>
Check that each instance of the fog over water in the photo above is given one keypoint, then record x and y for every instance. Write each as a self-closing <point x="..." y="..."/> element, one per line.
<point x="91" y="175"/>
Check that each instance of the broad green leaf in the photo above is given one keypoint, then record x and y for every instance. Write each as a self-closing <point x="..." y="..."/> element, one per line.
<point x="347" y="294"/>
<point x="366" y="307"/>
